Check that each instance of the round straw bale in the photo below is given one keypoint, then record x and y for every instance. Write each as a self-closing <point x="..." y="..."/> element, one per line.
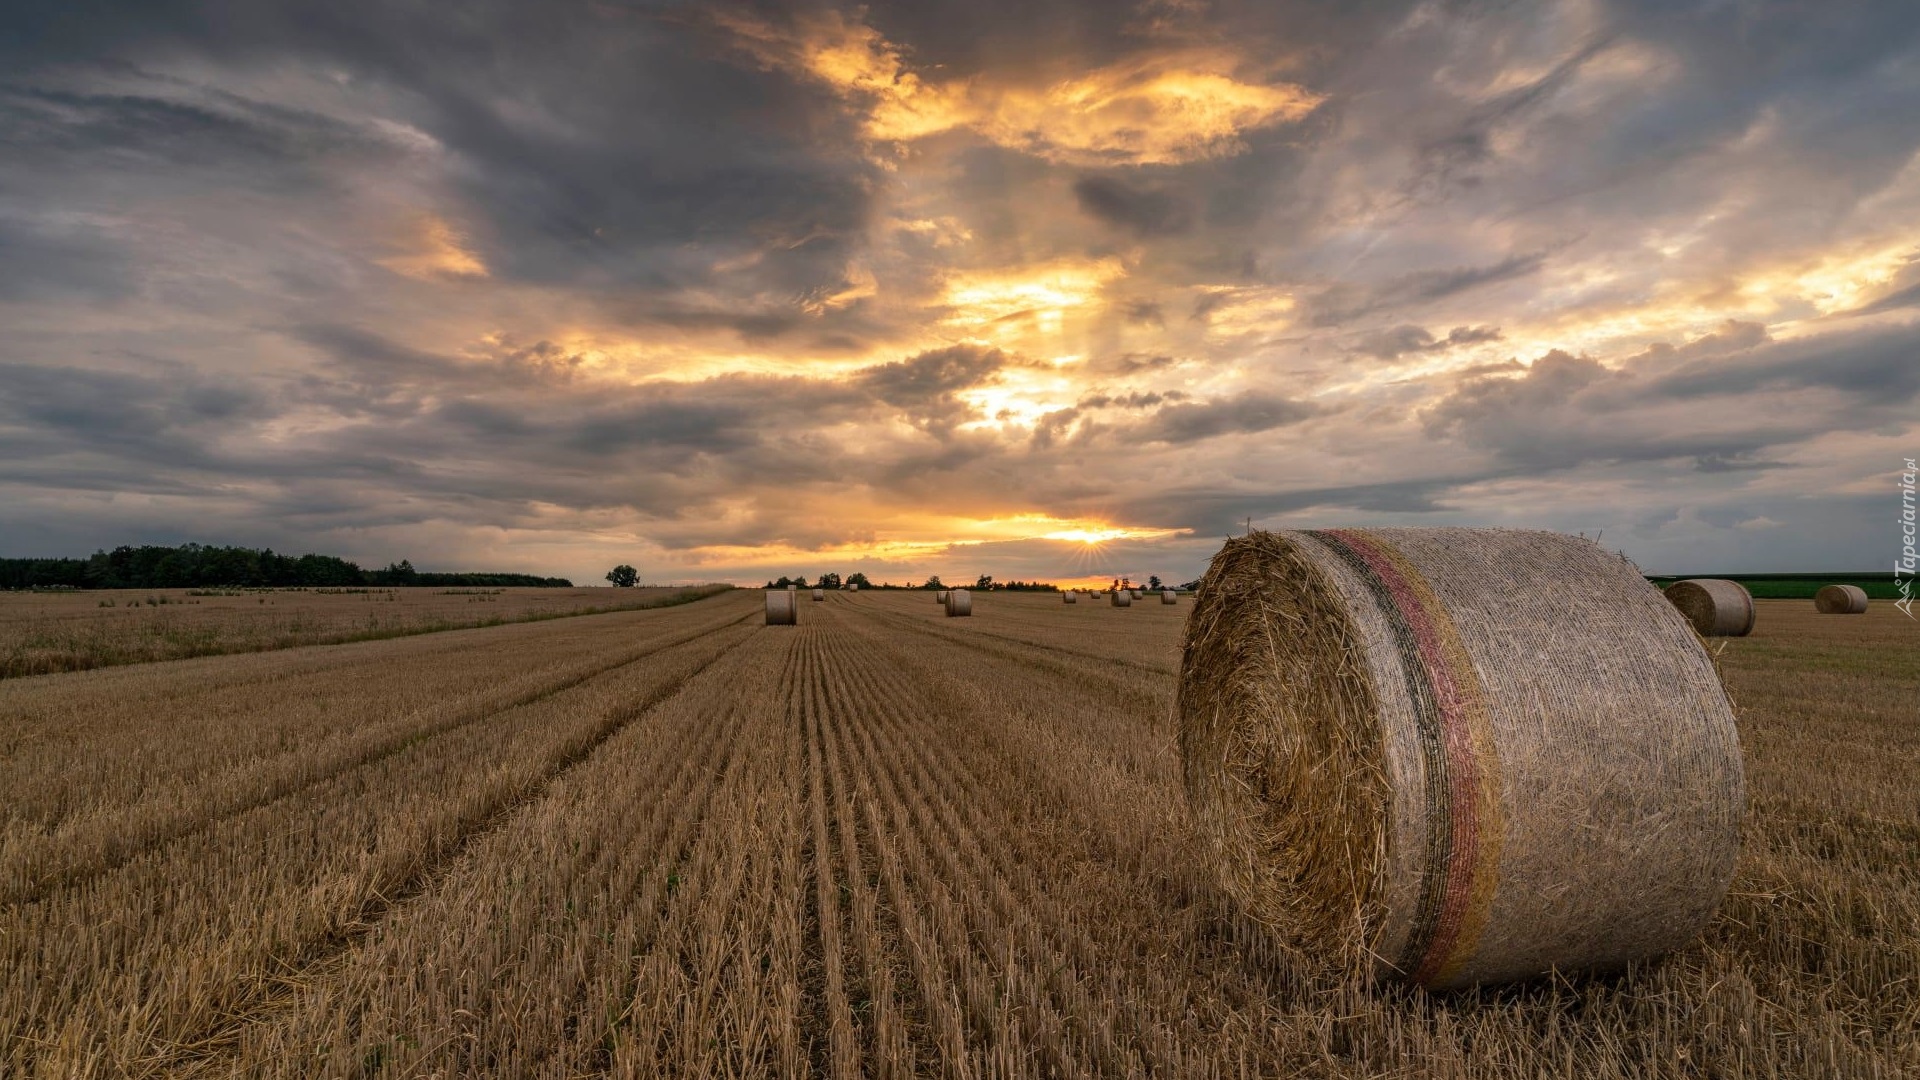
<point x="1135" y="593"/>
<point x="1406" y="774"/>
<point x="940" y="598"/>
<point x="1168" y="596"/>
<point x="1841" y="600"/>
<point x="819" y="594"/>
<point x="781" y="610"/>
<point x="959" y="602"/>
<point x="1121" y="598"/>
<point x="1716" y="607"/>
<point x="1068" y="597"/>
<point x="855" y="587"/>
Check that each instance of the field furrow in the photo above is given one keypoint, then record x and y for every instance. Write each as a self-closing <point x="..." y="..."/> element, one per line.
<point x="232" y="912"/>
<point x="36" y="863"/>
<point x="834" y="1050"/>
<point x="541" y="909"/>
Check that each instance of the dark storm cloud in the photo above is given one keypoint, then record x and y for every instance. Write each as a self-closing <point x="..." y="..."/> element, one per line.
<point x="626" y="153"/>
<point x="1728" y="402"/>
<point x="1188" y="422"/>
<point x="1402" y="340"/>
<point x="169" y="419"/>
<point x="1345" y="302"/>
<point x="932" y="376"/>
<point x="222" y="131"/>
<point x="1143" y="211"/>
<point x="39" y="263"/>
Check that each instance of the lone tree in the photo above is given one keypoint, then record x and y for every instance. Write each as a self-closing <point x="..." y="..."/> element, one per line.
<point x="623" y="576"/>
<point x="1153" y="582"/>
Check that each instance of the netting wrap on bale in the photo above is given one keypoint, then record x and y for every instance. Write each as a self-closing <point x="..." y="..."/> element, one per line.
<point x="959" y="602"/>
<point x="1840" y="600"/>
<point x="1716" y="607"/>
<point x="781" y="610"/>
<point x="1404" y="772"/>
<point x="1120" y="598"/>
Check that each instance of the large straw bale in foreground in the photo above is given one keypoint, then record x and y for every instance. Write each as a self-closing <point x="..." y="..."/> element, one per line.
<point x="1404" y="771"/>
<point x="959" y="602"/>
<point x="781" y="610"/>
<point x="1716" y="607"/>
<point x="1840" y="600"/>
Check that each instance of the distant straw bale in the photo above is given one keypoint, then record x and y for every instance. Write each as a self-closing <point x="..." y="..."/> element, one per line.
<point x="781" y="610"/>
<point x="819" y="594"/>
<point x="1405" y="773"/>
<point x="1841" y="600"/>
<point x="1121" y="598"/>
<point x="1716" y="607"/>
<point x="1168" y="596"/>
<point x="959" y="602"/>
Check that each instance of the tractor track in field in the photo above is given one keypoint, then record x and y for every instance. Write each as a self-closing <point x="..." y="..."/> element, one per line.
<point x="943" y="802"/>
<point x="316" y="953"/>
<point x="191" y="821"/>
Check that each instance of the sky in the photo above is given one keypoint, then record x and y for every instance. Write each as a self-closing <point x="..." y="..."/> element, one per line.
<point x="1046" y="289"/>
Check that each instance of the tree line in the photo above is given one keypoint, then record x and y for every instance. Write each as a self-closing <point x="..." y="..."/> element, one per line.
<point x="152" y="566"/>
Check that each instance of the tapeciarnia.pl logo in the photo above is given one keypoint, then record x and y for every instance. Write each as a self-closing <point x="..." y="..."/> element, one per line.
<point x="1903" y="567"/>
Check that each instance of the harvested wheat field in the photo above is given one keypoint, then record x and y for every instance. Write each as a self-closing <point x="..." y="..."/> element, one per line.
<point x="881" y="842"/>
<point x="42" y="632"/>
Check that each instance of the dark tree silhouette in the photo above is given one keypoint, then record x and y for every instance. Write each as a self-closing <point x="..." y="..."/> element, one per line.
<point x="623" y="576"/>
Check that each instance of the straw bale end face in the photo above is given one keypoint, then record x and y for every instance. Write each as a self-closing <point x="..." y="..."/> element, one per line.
<point x="1068" y="597"/>
<point x="959" y="603"/>
<point x="1716" y="607"/>
<point x="781" y="609"/>
<point x="1404" y="774"/>
<point x="819" y="595"/>
<point x="1840" y="600"/>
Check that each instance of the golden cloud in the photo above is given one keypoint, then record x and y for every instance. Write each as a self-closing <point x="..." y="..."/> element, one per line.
<point x="1158" y="109"/>
<point x="438" y="253"/>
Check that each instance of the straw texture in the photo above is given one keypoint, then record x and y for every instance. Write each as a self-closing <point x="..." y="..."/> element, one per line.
<point x="1716" y="607"/>
<point x="781" y="610"/>
<point x="1121" y="598"/>
<point x="819" y="594"/>
<point x="940" y="598"/>
<point x="1404" y="773"/>
<point x="1841" y="600"/>
<point x="1168" y="596"/>
<point x="1068" y="597"/>
<point x="959" y="602"/>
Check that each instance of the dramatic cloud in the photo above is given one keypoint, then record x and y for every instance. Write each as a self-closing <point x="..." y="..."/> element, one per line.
<point x="1056" y="288"/>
